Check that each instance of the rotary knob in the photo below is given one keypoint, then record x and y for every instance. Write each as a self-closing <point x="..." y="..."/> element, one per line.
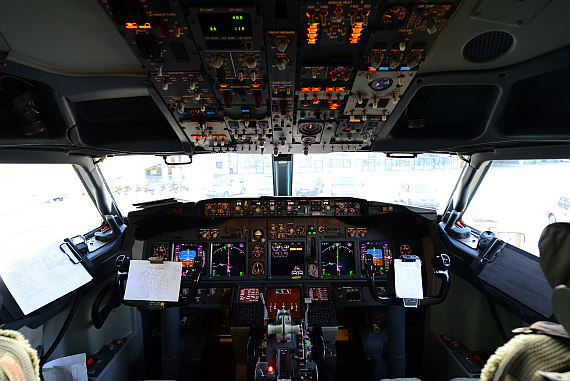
<point x="251" y="61"/>
<point x="394" y="60"/>
<point x="430" y="24"/>
<point x="217" y="61"/>
<point x="376" y="60"/>
<point x="281" y="43"/>
<point x="413" y="60"/>
<point x="281" y="62"/>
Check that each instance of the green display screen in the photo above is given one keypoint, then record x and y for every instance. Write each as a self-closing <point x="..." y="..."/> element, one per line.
<point x="225" y="24"/>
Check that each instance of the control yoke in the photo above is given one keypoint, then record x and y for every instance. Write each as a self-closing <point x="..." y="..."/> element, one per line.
<point x="186" y="297"/>
<point x="440" y="264"/>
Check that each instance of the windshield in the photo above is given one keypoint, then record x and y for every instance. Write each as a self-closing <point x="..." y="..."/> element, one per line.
<point x="136" y="179"/>
<point x="425" y="181"/>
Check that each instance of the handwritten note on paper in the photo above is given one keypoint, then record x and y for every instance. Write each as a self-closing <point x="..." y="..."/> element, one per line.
<point x="36" y="278"/>
<point x="66" y="368"/>
<point x="408" y="279"/>
<point x="155" y="282"/>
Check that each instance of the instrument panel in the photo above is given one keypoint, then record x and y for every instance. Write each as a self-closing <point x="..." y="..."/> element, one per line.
<point x="279" y="76"/>
<point x="246" y="244"/>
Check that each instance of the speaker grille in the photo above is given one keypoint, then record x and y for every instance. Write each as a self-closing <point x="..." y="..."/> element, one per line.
<point x="488" y="46"/>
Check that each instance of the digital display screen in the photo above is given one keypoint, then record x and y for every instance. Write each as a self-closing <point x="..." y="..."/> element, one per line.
<point x="187" y="254"/>
<point x="229" y="259"/>
<point x="381" y="252"/>
<point x="248" y="295"/>
<point x="284" y="299"/>
<point x="287" y="259"/>
<point x="337" y="258"/>
<point x="225" y="24"/>
<point x="320" y="294"/>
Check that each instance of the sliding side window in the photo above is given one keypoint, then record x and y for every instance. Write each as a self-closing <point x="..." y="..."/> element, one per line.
<point x="42" y="204"/>
<point x="518" y="198"/>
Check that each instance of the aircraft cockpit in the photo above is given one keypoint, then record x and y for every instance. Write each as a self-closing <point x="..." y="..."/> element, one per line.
<point x="282" y="190"/>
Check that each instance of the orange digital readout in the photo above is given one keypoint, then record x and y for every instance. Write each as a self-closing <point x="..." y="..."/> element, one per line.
<point x="356" y="33"/>
<point x="305" y="89"/>
<point x="312" y="33"/>
<point x="134" y="25"/>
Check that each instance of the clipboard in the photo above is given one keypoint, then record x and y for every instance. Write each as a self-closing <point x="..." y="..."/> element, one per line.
<point x="153" y="280"/>
<point x="408" y="280"/>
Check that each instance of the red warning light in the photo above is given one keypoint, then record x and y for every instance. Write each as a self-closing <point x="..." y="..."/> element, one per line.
<point x="270" y="369"/>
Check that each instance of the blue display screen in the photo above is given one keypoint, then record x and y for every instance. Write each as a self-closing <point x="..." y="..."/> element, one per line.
<point x="376" y="253"/>
<point x="188" y="254"/>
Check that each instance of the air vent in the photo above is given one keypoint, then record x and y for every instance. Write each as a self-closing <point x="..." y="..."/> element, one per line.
<point x="488" y="46"/>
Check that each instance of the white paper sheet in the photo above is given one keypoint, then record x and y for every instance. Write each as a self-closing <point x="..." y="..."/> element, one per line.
<point x="36" y="279"/>
<point x="153" y="281"/>
<point x="408" y="279"/>
<point x="70" y="368"/>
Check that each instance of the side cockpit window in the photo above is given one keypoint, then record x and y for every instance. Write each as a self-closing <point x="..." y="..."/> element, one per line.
<point x="518" y="198"/>
<point x="41" y="205"/>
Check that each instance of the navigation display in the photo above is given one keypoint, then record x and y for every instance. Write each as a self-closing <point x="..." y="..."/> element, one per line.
<point x="248" y="295"/>
<point x="381" y="252"/>
<point x="287" y="259"/>
<point x="228" y="259"/>
<point x="337" y="258"/>
<point x="187" y="254"/>
<point x="284" y="299"/>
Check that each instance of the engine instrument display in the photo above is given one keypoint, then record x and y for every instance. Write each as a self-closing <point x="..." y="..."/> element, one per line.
<point x="248" y="295"/>
<point x="381" y="252"/>
<point x="228" y="259"/>
<point x="187" y="254"/>
<point x="287" y="259"/>
<point x="284" y="299"/>
<point x="337" y="258"/>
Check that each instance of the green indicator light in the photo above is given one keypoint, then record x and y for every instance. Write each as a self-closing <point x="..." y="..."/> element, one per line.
<point x="241" y="273"/>
<point x="352" y="273"/>
<point x="381" y="268"/>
